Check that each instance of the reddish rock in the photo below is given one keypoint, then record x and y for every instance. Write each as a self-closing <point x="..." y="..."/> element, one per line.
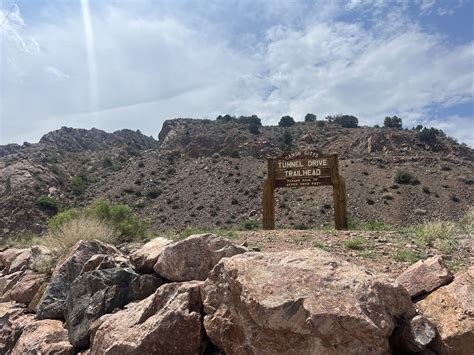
<point x="13" y="319"/>
<point x="451" y="309"/>
<point x="145" y="258"/>
<point x="6" y="285"/>
<point x="98" y="262"/>
<point x="194" y="257"/>
<point x="425" y="276"/>
<point x="301" y="302"/>
<point x="167" y="322"/>
<point x="67" y="269"/>
<point x="26" y="288"/>
<point x="21" y="262"/>
<point x="37" y="297"/>
<point x="43" y="337"/>
<point x="7" y="257"/>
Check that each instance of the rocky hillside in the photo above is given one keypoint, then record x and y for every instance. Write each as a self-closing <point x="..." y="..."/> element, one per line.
<point x="203" y="173"/>
<point x="223" y="298"/>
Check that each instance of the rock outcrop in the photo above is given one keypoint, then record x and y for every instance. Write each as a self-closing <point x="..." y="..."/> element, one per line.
<point x="425" y="276"/>
<point x="68" y="268"/>
<point x="13" y="319"/>
<point x="7" y="283"/>
<point x="194" y="257"/>
<point x="7" y="257"/>
<point x="301" y="302"/>
<point x="98" y="292"/>
<point x="145" y="258"/>
<point x="451" y="309"/>
<point x="26" y="287"/>
<point x="43" y="337"/>
<point x="167" y="322"/>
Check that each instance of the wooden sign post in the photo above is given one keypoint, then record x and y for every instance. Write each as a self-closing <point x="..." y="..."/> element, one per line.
<point x="301" y="169"/>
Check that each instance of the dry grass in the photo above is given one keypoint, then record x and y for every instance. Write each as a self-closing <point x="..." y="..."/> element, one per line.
<point x="467" y="222"/>
<point x="440" y="235"/>
<point x="83" y="228"/>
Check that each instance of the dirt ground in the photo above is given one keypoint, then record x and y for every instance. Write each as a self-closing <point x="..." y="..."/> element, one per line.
<point x="386" y="252"/>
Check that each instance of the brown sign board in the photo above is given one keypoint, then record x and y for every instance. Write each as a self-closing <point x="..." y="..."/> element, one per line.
<point x="304" y="169"/>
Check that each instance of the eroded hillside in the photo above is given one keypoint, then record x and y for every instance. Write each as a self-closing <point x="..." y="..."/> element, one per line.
<point x="205" y="173"/>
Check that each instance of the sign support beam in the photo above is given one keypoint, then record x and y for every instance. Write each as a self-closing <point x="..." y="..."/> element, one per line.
<point x="299" y="169"/>
<point x="269" y="197"/>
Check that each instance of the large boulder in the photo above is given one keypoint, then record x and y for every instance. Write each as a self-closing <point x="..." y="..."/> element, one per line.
<point x="67" y="269"/>
<point x="451" y="309"/>
<point x="194" y="257"/>
<point x="301" y="302"/>
<point x="98" y="292"/>
<point x="167" y="322"/>
<point x="13" y="319"/>
<point x="7" y="283"/>
<point x="145" y="258"/>
<point x="26" y="287"/>
<point x="7" y="257"/>
<point x="425" y="276"/>
<point x="43" y="337"/>
<point x="21" y="262"/>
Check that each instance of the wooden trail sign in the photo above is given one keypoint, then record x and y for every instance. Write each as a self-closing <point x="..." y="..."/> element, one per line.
<point x="302" y="169"/>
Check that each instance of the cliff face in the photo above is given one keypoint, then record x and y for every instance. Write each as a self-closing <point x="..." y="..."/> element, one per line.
<point x="209" y="173"/>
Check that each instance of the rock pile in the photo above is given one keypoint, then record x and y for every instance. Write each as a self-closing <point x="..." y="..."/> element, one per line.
<point x="205" y="294"/>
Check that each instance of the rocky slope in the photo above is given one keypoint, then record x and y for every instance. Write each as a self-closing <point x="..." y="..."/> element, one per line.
<point x="223" y="298"/>
<point x="205" y="173"/>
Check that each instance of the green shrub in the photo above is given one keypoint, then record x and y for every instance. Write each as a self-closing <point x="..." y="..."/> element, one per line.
<point x="254" y="127"/>
<point x="48" y="203"/>
<point x="310" y="117"/>
<point x="392" y="122"/>
<point x="357" y="243"/>
<point x="287" y="140"/>
<point x="376" y="226"/>
<point x="286" y="121"/>
<point x="405" y="177"/>
<point x="121" y="218"/>
<point x="78" y="184"/>
<point x="107" y="162"/>
<point x="408" y="255"/>
<point x="153" y="193"/>
<point x="347" y="121"/>
<point x="251" y="224"/>
<point x="63" y="217"/>
<point x="430" y="134"/>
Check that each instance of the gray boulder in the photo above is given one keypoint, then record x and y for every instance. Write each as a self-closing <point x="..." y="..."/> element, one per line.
<point x="302" y="302"/>
<point x="13" y="319"/>
<point x="145" y="258"/>
<point x="68" y="268"/>
<point x="98" y="292"/>
<point x="167" y="322"/>
<point x="194" y="257"/>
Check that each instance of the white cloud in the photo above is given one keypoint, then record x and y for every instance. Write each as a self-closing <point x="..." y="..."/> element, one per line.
<point x="154" y="64"/>
<point x="56" y="72"/>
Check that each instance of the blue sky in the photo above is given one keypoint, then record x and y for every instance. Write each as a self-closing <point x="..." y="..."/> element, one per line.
<point x="132" y="64"/>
